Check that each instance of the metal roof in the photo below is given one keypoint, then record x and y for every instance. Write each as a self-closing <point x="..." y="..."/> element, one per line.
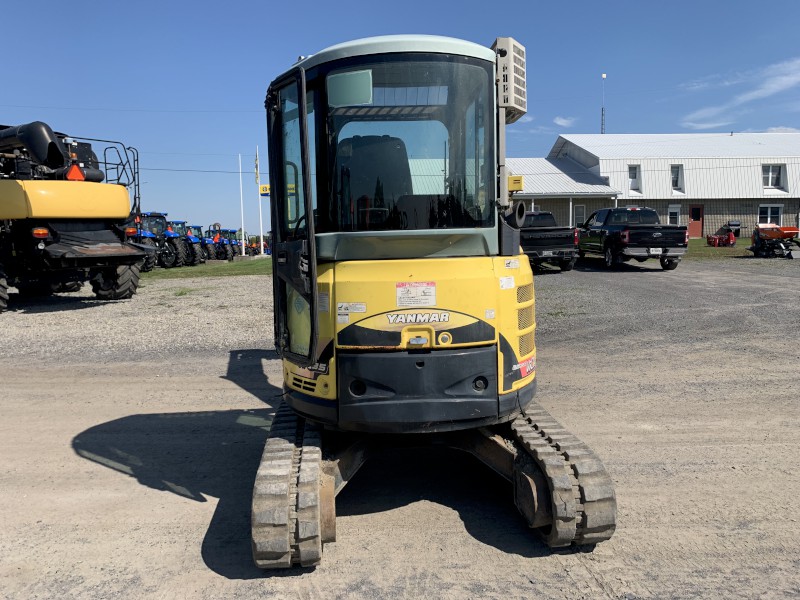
<point x="683" y="145"/>
<point x="557" y="177"/>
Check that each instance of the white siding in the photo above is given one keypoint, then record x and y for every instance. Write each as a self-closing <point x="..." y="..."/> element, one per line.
<point x="703" y="178"/>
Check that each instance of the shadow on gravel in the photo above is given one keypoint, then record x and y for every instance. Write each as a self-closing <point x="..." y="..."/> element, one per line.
<point x="590" y="264"/>
<point x="483" y="500"/>
<point x="216" y="454"/>
<point x="52" y="304"/>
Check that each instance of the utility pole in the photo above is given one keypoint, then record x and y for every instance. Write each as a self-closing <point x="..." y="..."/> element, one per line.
<point x="603" y="108"/>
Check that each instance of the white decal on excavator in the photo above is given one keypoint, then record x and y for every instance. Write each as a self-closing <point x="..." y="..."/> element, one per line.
<point x="419" y="318"/>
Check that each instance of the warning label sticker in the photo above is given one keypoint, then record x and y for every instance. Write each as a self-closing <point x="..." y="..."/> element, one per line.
<point x="416" y="293"/>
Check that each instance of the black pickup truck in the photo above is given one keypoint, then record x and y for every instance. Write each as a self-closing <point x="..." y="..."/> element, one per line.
<point x="545" y="242"/>
<point x="622" y="234"/>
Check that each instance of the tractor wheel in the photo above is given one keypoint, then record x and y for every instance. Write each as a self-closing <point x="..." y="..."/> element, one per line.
<point x="669" y="264"/>
<point x="228" y="252"/>
<point x="166" y="256"/>
<point x="3" y="289"/>
<point x="180" y="251"/>
<point x="197" y="254"/>
<point x="150" y="260"/>
<point x="211" y="253"/>
<point x="118" y="283"/>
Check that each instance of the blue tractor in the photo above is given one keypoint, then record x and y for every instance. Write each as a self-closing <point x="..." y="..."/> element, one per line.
<point x="191" y="243"/>
<point x="222" y="245"/>
<point x="154" y="230"/>
<point x="206" y="243"/>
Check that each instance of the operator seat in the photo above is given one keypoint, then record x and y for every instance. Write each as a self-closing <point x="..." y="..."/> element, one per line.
<point x="374" y="173"/>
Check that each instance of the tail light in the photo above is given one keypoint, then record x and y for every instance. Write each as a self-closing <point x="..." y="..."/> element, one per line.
<point x="40" y="233"/>
<point x="625" y="236"/>
<point x="75" y="174"/>
<point x="686" y="237"/>
<point x="130" y="231"/>
<point x="576" y="234"/>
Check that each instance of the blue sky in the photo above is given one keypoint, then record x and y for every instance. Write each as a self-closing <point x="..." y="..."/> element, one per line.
<point x="185" y="82"/>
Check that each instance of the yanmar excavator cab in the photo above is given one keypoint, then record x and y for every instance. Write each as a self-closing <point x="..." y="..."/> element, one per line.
<point x="403" y="304"/>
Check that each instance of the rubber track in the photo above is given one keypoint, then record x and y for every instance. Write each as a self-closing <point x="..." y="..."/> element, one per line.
<point x="582" y="494"/>
<point x="3" y="290"/>
<point x="285" y="526"/>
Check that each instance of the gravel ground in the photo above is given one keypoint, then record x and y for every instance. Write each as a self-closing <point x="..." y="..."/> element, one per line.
<point x="132" y="430"/>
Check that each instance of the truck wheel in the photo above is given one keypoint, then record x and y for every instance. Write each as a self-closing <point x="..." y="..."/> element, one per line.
<point x="180" y="251"/>
<point x="3" y="290"/>
<point x="669" y="264"/>
<point x="197" y="254"/>
<point x="150" y="259"/>
<point x="566" y="265"/>
<point x="610" y="258"/>
<point x="118" y="283"/>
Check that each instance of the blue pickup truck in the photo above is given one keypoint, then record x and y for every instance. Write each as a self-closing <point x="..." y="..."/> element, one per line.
<point x="623" y="234"/>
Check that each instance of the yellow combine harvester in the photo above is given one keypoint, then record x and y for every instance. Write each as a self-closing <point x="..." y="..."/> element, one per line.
<point x="404" y="307"/>
<point x="60" y="225"/>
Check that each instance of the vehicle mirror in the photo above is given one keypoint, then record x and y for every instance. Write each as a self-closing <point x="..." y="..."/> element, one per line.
<point x="350" y="89"/>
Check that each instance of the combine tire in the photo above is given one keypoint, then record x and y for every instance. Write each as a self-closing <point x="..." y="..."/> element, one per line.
<point x="669" y="264"/>
<point x="3" y="290"/>
<point x="150" y="260"/>
<point x="179" y="248"/>
<point x="118" y="283"/>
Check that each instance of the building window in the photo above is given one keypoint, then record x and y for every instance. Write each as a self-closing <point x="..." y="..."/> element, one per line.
<point x="633" y="177"/>
<point x="770" y="213"/>
<point x="579" y="214"/>
<point x="674" y="214"/>
<point x="772" y="176"/>
<point x="676" y="174"/>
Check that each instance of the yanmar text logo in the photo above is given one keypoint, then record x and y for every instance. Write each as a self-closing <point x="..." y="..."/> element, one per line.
<point x="405" y="318"/>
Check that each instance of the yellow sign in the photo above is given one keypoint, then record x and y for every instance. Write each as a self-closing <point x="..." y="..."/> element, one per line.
<point x="264" y="189"/>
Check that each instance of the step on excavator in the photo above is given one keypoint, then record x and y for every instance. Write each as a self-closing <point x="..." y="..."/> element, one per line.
<point x="404" y="308"/>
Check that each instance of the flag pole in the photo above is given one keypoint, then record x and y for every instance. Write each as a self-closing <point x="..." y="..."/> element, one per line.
<point x="241" y="199"/>
<point x="260" y="219"/>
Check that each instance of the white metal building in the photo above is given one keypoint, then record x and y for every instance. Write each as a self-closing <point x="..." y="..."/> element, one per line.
<point x="702" y="180"/>
<point x="561" y="186"/>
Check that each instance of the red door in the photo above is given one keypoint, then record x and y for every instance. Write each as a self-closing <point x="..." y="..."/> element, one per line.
<point x="695" y="220"/>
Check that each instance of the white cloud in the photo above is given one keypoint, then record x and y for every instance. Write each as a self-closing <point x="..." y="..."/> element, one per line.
<point x="772" y="80"/>
<point x="564" y="121"/>
<point x="525" y="119"/>
<point x="782" y="129"/>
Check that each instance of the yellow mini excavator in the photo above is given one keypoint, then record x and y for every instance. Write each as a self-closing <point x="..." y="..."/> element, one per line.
<point x="404" y="307"/>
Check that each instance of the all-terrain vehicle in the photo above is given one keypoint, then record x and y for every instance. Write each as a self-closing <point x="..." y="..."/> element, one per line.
<point x="62" y="214"/>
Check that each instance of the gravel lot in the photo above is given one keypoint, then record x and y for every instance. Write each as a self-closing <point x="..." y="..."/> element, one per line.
<point x="131" y="432"/>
